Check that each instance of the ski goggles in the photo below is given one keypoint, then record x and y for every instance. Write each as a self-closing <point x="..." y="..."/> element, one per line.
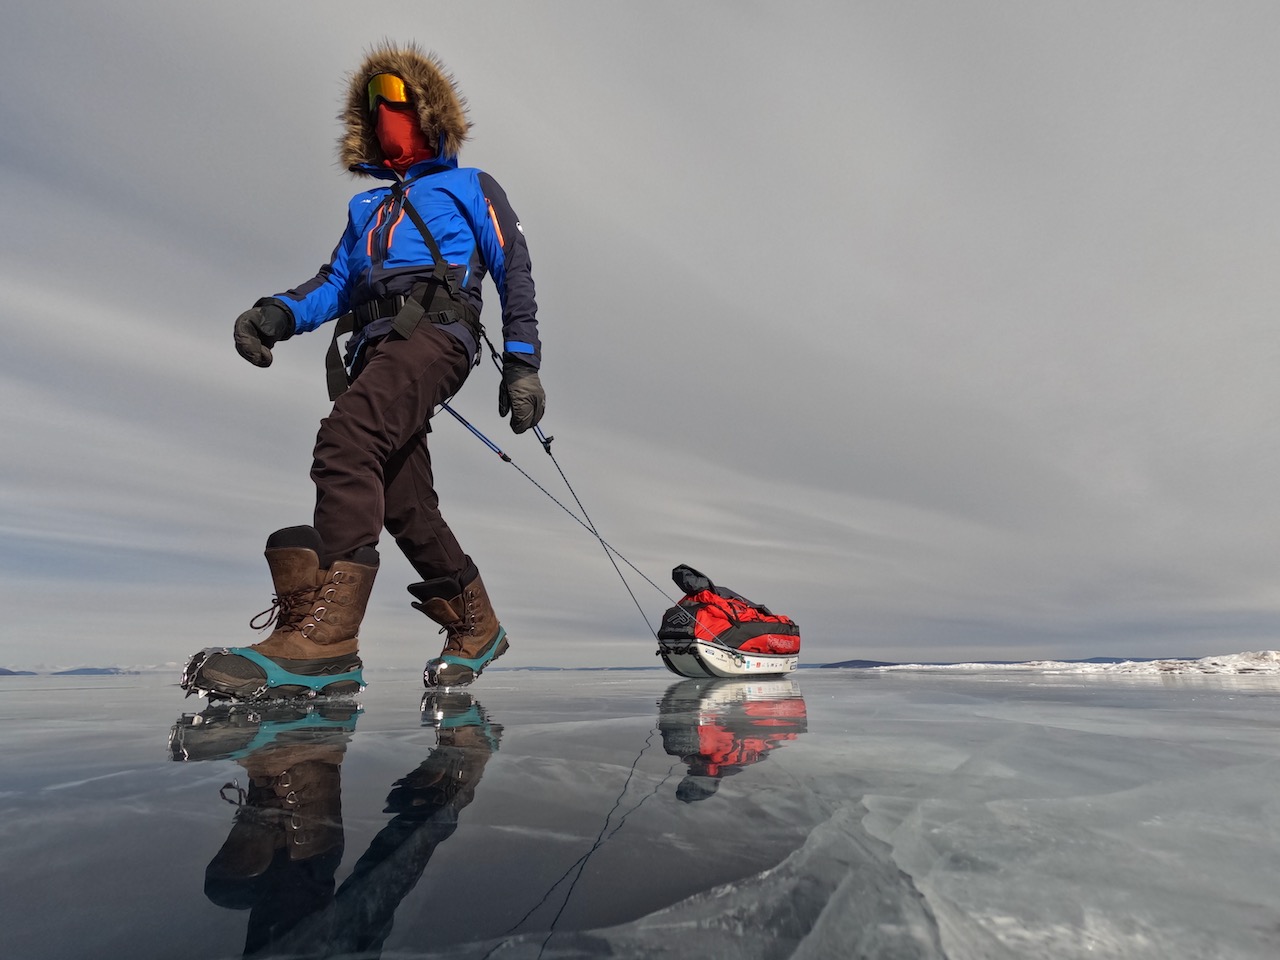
<point x="388" y="88"/>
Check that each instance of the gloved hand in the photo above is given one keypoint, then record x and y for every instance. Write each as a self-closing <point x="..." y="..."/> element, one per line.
<point x="520" y="394"/>
<point x="259" y="329"/>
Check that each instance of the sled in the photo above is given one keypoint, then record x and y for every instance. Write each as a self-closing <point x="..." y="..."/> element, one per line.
<point x="714" y="632"/>
<point x="702" y="659"/>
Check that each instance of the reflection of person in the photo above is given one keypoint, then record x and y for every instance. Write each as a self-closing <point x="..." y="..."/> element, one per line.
<point x="720" y="727"/>
<point x="408" y="273"/>
<point x="281" y="856"/>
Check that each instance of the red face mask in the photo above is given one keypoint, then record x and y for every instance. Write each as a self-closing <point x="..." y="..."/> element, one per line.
<point x="402" y="140"/>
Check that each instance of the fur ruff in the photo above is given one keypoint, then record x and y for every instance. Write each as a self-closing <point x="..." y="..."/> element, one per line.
<point x="442" y="110"/>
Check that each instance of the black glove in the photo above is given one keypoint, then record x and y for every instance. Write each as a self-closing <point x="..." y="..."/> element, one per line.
<point x="260" y="328"/>
<point x="520" y="394"/>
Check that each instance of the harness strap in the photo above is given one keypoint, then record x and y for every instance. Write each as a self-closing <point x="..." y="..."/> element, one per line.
<point x="448" y="310"/>
<point x="335" y="372"/>
<point x="408" y="311"/>
<point x="422" y="296"/>
<point x="372" y="310"/>
<point x="441" y="270"/>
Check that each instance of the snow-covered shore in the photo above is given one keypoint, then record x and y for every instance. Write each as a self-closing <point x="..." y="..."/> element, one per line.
<point x="1259" y="662"/>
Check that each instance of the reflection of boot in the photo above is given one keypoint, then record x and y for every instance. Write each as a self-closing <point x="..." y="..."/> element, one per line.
<point x="317" y="614"/>
<point x="281" y="854"/>
<point x="473" y="636"/>
<point x="291" y="752"/>
<point x="296" y="811"/>
<point x="234" y="731"/>
<point x="459" y="720"/>
<point x="465" y="739"/>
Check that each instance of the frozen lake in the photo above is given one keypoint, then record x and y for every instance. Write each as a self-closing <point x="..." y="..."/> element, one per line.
<point x="837" y="813"/>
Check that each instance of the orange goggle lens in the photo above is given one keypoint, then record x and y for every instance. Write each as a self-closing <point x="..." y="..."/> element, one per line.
<point x="387" y="87"/>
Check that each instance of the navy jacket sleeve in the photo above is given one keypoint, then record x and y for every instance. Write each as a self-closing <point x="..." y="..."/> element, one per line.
<point x="503" y="247"/>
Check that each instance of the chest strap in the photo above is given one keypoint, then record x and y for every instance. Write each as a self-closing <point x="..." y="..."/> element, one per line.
<point x="437" y="291"/>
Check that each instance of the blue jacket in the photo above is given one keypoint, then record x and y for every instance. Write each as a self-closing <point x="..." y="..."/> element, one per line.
<point x="382" y="253"/>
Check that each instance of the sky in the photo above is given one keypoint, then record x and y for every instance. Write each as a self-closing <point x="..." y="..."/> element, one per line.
<point x="946" y="328"/>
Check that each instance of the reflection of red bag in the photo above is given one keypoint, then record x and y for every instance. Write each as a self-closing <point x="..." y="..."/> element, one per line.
<point x="708" y="612"/>
<point x="729" y="741"/>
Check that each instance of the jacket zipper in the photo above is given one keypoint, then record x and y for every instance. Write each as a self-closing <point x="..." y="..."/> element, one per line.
<point x="384" y="230"/>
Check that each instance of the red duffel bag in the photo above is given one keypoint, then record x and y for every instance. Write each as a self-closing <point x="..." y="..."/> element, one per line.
<point x="711" y="613"/>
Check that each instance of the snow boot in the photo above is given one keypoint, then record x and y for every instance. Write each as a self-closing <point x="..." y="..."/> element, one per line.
<point x="473" y="636"/>
<point x="317" y="613"/>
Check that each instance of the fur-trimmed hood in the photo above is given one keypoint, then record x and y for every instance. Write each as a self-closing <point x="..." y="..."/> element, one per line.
<point x="442" y="110"/>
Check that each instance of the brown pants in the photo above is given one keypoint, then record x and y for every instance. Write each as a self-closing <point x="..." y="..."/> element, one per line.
<point x="372" y="467"/>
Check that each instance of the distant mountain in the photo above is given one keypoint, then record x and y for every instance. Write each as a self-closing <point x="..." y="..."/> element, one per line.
<point x="6" y="672"/>
<point x="96" y="672"/>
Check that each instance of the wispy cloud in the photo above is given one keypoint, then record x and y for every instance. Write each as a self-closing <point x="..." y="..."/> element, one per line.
<point x="947" y="330"/>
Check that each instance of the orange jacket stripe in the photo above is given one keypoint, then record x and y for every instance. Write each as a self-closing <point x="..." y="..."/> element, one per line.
<point x="496" y="226"/>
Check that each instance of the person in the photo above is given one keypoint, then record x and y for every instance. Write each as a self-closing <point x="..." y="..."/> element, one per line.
<point x="406" y="279"/>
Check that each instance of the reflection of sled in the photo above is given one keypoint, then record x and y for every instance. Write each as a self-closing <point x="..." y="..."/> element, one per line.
<point x="720" y="727"/>
<point x="701" y="658"/>
<point x="768" y="697"/>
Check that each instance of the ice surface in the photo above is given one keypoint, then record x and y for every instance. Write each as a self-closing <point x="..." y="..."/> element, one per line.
<point x="968" y="814"/>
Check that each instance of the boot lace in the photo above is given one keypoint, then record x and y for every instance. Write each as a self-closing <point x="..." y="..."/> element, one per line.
<point x="456" y="630"/>
<point x="287" y="610"/>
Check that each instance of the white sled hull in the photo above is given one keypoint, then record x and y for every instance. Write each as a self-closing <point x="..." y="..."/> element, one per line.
<point x="698" y="658"/>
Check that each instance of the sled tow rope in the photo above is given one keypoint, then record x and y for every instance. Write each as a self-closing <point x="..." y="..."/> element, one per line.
<point x="584" y="521"/>
<point x="610" y="551"/>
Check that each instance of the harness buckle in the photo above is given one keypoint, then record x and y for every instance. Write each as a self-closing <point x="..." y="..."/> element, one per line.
<point x="372" y="310"/>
